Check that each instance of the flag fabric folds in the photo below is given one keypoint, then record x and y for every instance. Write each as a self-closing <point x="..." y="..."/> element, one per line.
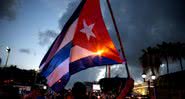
<point x="83" y="42"/>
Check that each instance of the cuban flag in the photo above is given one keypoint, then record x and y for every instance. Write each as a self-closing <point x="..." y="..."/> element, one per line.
<point x="83" y="42"/>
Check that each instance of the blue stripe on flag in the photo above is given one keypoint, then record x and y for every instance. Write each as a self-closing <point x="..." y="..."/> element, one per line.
<point x="58" y="86"/>
<point x="90" y="61"/>
<point x="60" y="56"/>
<point x="74" y="16"/>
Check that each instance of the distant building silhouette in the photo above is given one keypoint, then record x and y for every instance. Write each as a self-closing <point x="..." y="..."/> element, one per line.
<point x="14" y="75"/>
<point x="170" y="86"/>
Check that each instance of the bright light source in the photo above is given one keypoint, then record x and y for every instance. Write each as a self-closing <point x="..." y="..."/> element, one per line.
<point x="153" y="77"/>
<point x="99" y="52"/>
<point x="36" y="69"/>
<point x="44" y="87"/>
<point x="96" y="87"/>
<point x="135" y="83"/>
<point x="143" y="75"/>
<point x="7" y="49"/>
<point x="59" y="81"/>
<point x="162" y="65"/>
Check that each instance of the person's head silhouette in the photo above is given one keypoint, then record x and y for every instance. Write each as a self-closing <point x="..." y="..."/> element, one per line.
<point x="79" y="90"/>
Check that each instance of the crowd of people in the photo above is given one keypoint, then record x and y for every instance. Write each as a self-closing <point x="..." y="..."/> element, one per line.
<point x="78" y="91"/>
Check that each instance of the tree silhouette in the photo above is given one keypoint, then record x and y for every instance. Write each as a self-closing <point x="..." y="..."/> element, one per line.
<point x="16" y="75"/>
<point x="164" y="50"/>
<point x="150" y="60"/>
<point x="178" y="52"/>
<point x="152" y="57"/>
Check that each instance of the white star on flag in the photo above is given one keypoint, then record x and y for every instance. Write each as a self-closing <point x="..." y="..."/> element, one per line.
<point x="87" y="30"/>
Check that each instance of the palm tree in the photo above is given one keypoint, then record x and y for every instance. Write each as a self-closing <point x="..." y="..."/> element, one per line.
<point x="151" y="57"/>
<point x="144" y="60"/>
<point x="178" y="52"/>
<point x="156" y="59"/>
<point x="164" y="50"/>
<point x="150" y="60"/>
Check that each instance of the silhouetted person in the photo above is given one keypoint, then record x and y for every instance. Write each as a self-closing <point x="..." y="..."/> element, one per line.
<point x="34" y="94"/>
<point x="9" y="92"/>
<point x="79" y="91"/>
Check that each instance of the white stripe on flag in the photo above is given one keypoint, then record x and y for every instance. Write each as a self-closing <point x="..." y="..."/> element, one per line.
<point x="78" y="52"/>
<point x="69" y="35"/>
<point x="68" y="38"/>
<point x="58" y="72"/>
<point x="42" y="66"/>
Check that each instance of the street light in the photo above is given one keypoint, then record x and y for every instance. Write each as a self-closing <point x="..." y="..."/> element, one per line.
<point x="8" y="53"/>
<point x="150" y="80"/>
<point x="153" y="77"/>
<point x="44" y="87"/>
<point x="7" y="49"/>
<point x="143" y="75"/>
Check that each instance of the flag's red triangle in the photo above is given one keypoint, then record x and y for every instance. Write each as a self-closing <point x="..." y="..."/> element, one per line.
<point x="91" y="32"/>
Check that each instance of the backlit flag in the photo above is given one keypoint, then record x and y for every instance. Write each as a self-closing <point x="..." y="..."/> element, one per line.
<point x="84" y="42"/>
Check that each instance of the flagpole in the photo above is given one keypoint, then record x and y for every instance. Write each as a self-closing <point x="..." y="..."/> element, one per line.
<point x="119" y="38"/>
<point x="106" y="71"/>
<point x="109" y="71"/>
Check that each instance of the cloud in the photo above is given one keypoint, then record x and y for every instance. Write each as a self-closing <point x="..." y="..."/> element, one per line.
<point x="8" y="9"/>
<point x="26" y="51"/>
<point x="146" y="23"/>
<point x="57" y="5"/>
<point x="47" y="37"/>
<point x="68" y="12"/>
